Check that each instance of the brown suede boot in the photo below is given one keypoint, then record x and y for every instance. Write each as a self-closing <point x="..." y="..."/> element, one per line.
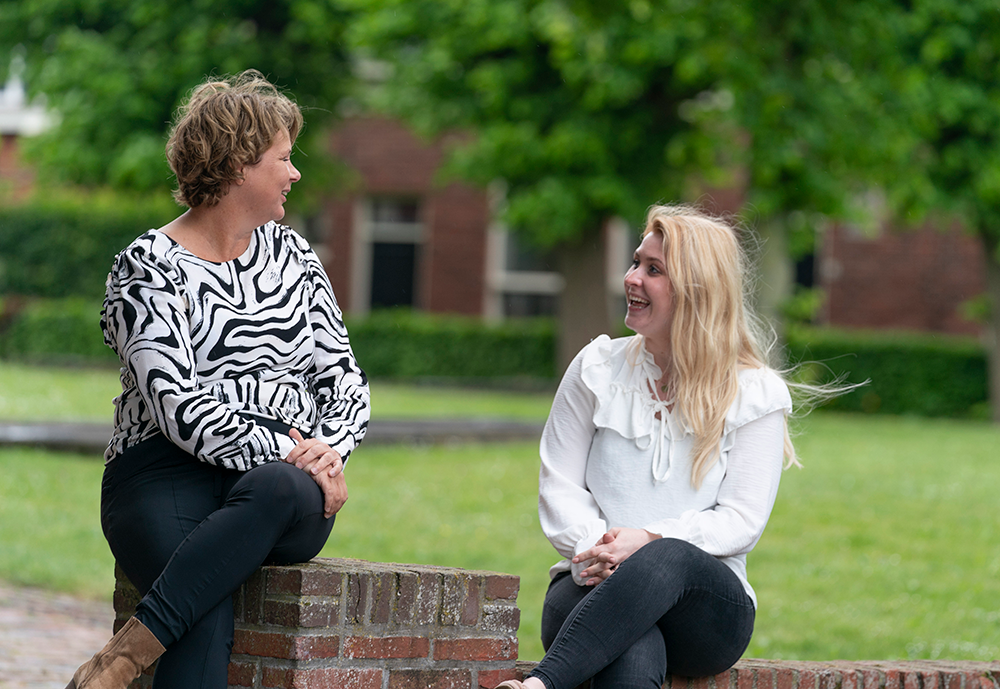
<point x="130" y="651"/>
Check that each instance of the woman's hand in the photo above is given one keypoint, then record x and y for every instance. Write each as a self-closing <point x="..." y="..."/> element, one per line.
<point x="324" y="465"/>
<point x="334" y="492"/>
<point x="611" y="550"/>
<point x="313" y="456"/>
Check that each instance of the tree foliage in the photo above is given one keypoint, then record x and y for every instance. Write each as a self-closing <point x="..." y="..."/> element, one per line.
<point x="115" y="70"/>
<point x="589" y="109"/>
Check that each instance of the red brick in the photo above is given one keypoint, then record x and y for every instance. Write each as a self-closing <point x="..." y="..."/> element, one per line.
<point x="452" y="590"/>
<point x="488" y="679"/>
<point x="724" y="680"/>
<point x="357" y="596"/>
<point x="470" y="607"/>
<point x="303" y="613"/>
<point x="500" y="586"/>
<point x="386" y="647"/>
<point x="430" y="679"/>
<point x="322" y="678"/>
<point x="383" y="594"/>
<point x="807" y="679"/>
<point x="242" y="674"/>
<point x="850" y="680"/>
<point x="784" y="678"/>
<point x="744" y="679"/>
<point x="285" y="645"/>
<point x="408" y="587"/>
<point x="429" y="602"/>
<point x="701" y="683"/>
<point x="829" y="679"/>
<point x="871" y="678"/>
<point x="892" y="679"/>
<point x="304" y="581"/>
<point x="475" y="649"/>
<point x="500" y="619"/>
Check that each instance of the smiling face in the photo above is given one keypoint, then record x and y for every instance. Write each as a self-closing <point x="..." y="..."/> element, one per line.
<point x="650" y="294"/>
<point x="265" y="185"/>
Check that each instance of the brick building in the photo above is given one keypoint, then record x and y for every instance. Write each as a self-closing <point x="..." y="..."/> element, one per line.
<point x="396" y="236"/>
<point x="917" y="280"/>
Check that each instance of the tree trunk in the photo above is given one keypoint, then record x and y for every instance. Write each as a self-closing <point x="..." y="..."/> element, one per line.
<point x="993" y="324"/>
<point x="776" y="279"/>
<point x="583" y="313"/>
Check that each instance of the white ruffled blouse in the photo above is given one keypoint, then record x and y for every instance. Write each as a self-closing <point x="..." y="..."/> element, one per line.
<point x="612" y="455"/>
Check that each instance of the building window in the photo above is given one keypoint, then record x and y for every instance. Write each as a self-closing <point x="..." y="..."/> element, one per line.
<point x="522" y="280"/>
<point x="388" y="238"/>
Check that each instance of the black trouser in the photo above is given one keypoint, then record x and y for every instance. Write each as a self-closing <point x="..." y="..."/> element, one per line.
<point x="188" y="534"/>
<point x="670" y="607"/>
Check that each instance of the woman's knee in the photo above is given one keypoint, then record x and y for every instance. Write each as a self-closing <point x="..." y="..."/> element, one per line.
<point x="280" y="487"/>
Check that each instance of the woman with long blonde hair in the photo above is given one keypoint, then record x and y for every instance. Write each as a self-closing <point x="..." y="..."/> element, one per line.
<point x="660" y="463"/>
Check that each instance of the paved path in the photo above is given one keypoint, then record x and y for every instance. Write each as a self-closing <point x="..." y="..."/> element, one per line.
<point x="93" y="437"/>
<point x="45" y="636"/>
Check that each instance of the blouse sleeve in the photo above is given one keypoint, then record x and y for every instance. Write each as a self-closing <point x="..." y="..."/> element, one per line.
<point x="746" y="495"/>
<point x="569" y="514"/>
<point x="338" y="384"/>
<point x="145" y="320"/>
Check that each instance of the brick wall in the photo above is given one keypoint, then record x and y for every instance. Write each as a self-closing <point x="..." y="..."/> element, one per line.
<point x="388" y="159"/>
<point x="842" y="674"/>
<point x="905" y="280"/>
<point x="353" y="624"/>
<point x="364" y="625"/>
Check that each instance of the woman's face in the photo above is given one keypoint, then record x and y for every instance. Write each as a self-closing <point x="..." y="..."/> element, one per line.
<point x="650" y="294"/>
<point x="266" y="184"/>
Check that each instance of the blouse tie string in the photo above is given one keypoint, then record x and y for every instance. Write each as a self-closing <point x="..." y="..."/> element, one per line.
<point x="661" y="465"/>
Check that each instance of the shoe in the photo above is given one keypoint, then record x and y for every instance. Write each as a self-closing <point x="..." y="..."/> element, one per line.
<point x="130" y="651"/>
<point x="510" y="684"/>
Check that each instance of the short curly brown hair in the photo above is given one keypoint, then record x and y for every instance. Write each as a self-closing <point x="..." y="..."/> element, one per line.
<point x="226" y="125"/>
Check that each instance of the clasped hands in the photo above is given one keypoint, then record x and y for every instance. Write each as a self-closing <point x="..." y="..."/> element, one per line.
<point x="611" y="550"/>
<point x="324" y="465"/>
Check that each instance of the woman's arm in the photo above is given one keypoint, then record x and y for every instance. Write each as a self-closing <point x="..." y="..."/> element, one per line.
<point x="569" y="514"/>
<point x="338" y="384"/>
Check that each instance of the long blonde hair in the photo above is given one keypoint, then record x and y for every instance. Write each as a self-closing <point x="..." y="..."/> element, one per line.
<point x="714" y="332"/>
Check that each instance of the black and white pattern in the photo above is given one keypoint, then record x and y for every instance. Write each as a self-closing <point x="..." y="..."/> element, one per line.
<point x="205" y="344"/>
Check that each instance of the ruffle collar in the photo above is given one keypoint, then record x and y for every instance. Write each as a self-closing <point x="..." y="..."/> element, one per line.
<point x="622" y="374"/>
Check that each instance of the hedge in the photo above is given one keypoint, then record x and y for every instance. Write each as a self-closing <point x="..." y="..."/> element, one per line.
<point x="60" y="245"/>
<point x="926" y="375"/>
<point x="395" y="344"/>
<point x="54" y="331"/>
<point x="920" y="374"/>
<point x="407" y="345"/>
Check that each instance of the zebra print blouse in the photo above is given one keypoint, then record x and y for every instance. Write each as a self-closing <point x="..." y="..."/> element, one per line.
<point x="206" y="347"/>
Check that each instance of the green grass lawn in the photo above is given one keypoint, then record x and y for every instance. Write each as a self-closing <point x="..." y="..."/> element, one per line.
<point x="886" y="545"/>
<point x="35" y="393"/>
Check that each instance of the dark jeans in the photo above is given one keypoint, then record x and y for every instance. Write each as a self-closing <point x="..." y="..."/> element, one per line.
<point x="670" y="607"/>
<point x="188" y="534"/>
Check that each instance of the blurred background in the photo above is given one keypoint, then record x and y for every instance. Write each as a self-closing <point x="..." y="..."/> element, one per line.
<point x="475" y="178"/>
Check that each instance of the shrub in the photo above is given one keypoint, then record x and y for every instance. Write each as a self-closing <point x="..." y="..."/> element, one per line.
<point x="56" y="330"/>
<point x="393" y="344"/>
<point x="404" y="344"/>
<point x="61" y="245"/>
<point x="921" y="374"/>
